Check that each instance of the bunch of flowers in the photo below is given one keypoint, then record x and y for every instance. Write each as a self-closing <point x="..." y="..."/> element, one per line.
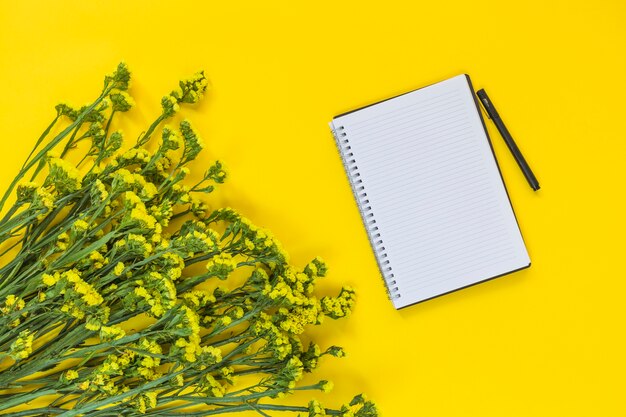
<point x="100" y="312"/>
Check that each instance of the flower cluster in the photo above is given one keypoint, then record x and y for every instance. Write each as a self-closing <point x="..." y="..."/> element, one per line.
<point x="128" y="291"/>
<point x="63" y="176"/>
<point x="22" y="347"/>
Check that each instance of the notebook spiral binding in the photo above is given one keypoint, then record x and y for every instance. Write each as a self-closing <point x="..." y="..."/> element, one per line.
<point x="363" y="203"/>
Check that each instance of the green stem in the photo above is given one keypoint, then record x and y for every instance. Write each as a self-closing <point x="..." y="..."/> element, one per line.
<point x="143" y="139"/>
<point x="18" y="399"/>
<point x="71" y="142"/>
<point x="41" y="138"/>
<point x="37" y="412"/>
<point x="241" y="407"/>
<point x="35" y="323"/>
<point x="10" y="213"/>
<point x="119" y="397"/>
<point x="28" y="165"/>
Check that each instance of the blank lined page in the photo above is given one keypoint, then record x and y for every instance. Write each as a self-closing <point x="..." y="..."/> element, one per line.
<point x="436" y="208"/>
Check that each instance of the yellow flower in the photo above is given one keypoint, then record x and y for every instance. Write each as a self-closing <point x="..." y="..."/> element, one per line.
<point x="101" y="189"/>
<point x="147" y="189"/>
<point x="50" y="280"/>
<point x="144" y="219"/>
<point x="169" y="105"/>
<point x="221" y="265"/>
<point x="150" y="362"/>
<point x="237" y="312"/>
<point x="92" y="298"/>
<point x="71" y="375"/>
<point x="119" y="268"/>
<point x="174" y="273"/>
<point x="92" y="326"/>
<point x="22" y="347"/>
<point x="89" y="294"/>
<point x="80" y="226"/>
<point x="10" y="300"/>
<point x="142" y="292"/>
<point x="81" y="287"/>
<point x="62" y="240"/>
<point x="72" y="276"/>
<point x="340" y="306"/>
<point x="141" y="405"/>
<point x="64" y="176"/>
<point x="171" y="140"/>
<point x="192" y="319"/>
<point x="316" y="409"/>
<point x="98" y="260"/>
<point x="152" y="398"/>
<point x="123" y="174"/>
<point x="212" y="352"/>
<point x="157" y="309"/>
<point x="43" y="199"/>
<point x="112" y="332"/>
<point x="214" y="387"/>
<point x="326" y="386"/>
<point x="121" y="101"/>
<point x="131" y="198"/>
<point x="179" y="380"/>
<point x="26" y="191"/>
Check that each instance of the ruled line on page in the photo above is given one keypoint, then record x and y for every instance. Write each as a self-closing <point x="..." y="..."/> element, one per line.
<point x="453" y="254"/>
<point x="424" y="138"/>
<point x="412" y="140"/>
<point x="457" y="253"/>
<point x="461" y="245"/>
<point x="465" y="155"/>
<point x="465" y="198"/>
<point x="415" y="119"/>
<point x="412" y="143"/>
<point x="417" y="116"/>
<point x="428" y="182"/>
<point x="464" y="260"/>
<point x="422" y="223"/>
<point x="396" y="133"/>
<point x="422" y="103"/>
<point x="401" y="212"/>
<point x="461" y="269"/>
<point x="424" y="107"/>
<point x="450" y="229"/>
<point x="404" y="222"/>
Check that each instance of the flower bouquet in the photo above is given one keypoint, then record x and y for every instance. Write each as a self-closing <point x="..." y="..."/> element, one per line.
<point x="122" y="293"/>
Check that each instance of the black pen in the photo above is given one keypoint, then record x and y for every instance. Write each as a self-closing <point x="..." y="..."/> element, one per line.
<point x="493" y="115"/>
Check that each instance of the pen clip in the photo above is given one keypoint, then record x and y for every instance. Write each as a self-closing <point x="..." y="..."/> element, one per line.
<point x="482" y="103"/>
<point x="491" y="111"/>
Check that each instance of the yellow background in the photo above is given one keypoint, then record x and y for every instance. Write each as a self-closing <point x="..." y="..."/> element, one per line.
<point x="545" y="341"/>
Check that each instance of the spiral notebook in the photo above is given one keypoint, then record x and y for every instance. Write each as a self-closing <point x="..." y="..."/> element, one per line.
<point x="430" y="192"/>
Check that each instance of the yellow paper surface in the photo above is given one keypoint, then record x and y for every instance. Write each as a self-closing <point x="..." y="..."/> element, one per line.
<point x="545" y="341"/>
